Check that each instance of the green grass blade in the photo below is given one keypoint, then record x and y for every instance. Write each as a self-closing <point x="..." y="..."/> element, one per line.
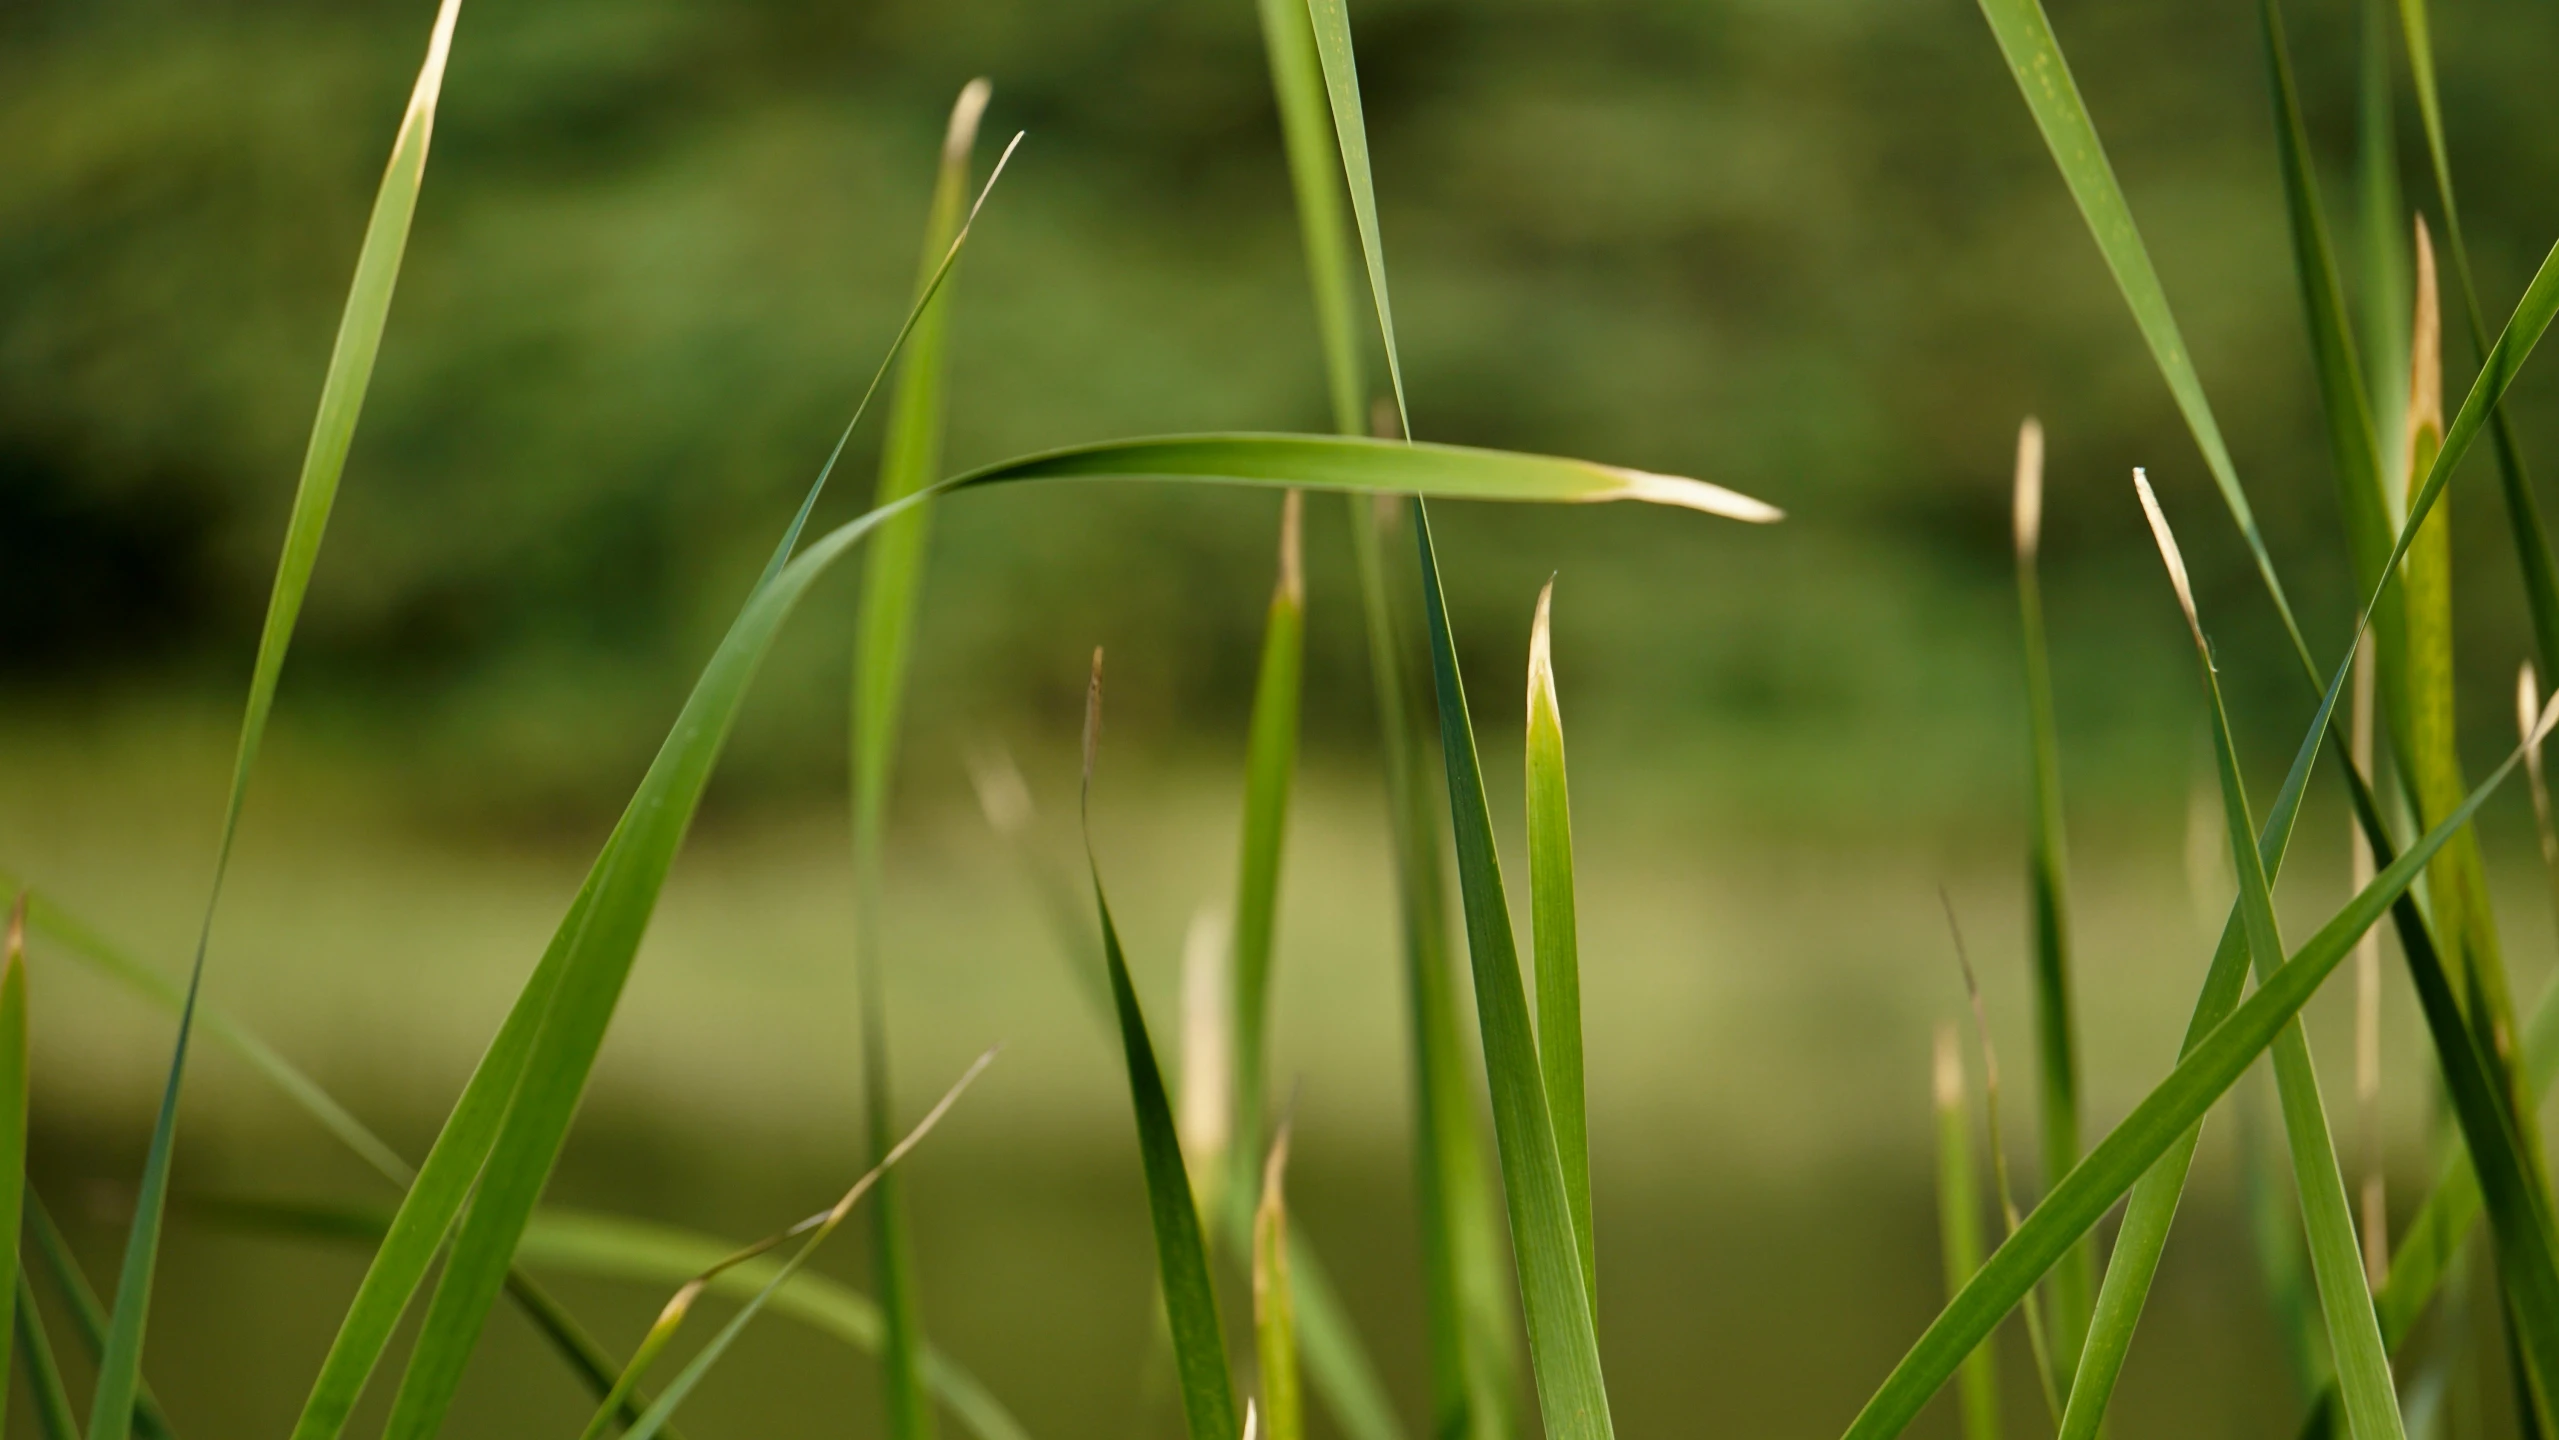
<point x="1274" y="1313"/>
<point x="2082" y="1197"/>
<point x="2275" y="1237"/>
<point x="377" y="270"/>
<point x="1190" y="1300"/>
<point x="1270" y="768"/>
<point x="1306" y="131"/>
<point x="46" y="1394"/>
<point x="2336" y="1255"/>
<point x="1557" y="946"/>
<point x="2381" y="296"/>
<point x="88" y="1315"/>
<point x="1332" y="24"/>
<point x="1959" y="1230"/>
<point x="910" y="459"/>
<point x="2048" y="894"/>
<point x="2523" y="513"/>
<point x="13" y="1117"/>
<point x="682" y="1386"/>
<point x="1563" y="1344"/>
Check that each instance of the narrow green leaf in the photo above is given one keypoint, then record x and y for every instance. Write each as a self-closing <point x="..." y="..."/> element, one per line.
<point x="13" y="1118"/>
<point x="1306" y="132"/>
<point x="818" y="1228"/>
<point x="1270" y="768"/>
<point x="377" y="270"/>
<point x="1332" y="24"/>
<point x="1563" y="1345"/>
<point x="45" y="1391"/>
<point x="2336" y="1256"/>
<point x="2381" y="294"/>
<point x="2274" y="1233"/>
<point x="1274" y="1314"/>
<point x="2048" y="895"/>
<point x="1551" y="924"/>
<point x="910" y="459"/>
<point x="1190" y="1301"/>
<point x="88" y="1315"/>
<point x="1959" y="1229"/>
<point x="2158" y="1122"/>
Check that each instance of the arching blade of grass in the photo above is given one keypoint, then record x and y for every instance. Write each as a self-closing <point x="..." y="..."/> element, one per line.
<point x="46" y="1394"/>
<point x="1274" y="1316"/>
<point x="13" y="1115"/>
<point x="2523" y="513"/>
<point x="1332" y="22"/>
<point x="1190" y="1300"/>
<point x="1306" y="132"/>
<point x="88" y="1316"/>
<point x="1558" y="948"/>
<point x="654" y="1422"/>
<point x="2110" y="1167"/>
<point x="1270" y="768"/>
<point x="1959" y="1228"/>
<point x="910" y="459"/>
<point x="2336" y="1257"/>
<point x="377" y="270"/>
<point x="1563" y="1344"/>
<point x="2048" y="896"/>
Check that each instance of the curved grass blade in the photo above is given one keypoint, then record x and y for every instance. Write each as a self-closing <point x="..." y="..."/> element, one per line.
<point x="2158" y="1122"/>
<point x="1270" y="768"/>
<point x="13" y="1114"/>
<point x="2048" y="892"/>
<point x="377" y="270"/>
<point x="2336" y="1258"/>
<point x="1563" y="1344"/>
<point x="654" y="1422"/>
<point x="910" y="459"/>
<point x="46" y="1394"/>
<point x="1332" y="24"/>
<point x="88" y="1316"/>
<point x="1557" y="952"/>
<point x="1190" y="1301"/>
<point x="1959" y="1229"/>
<point x="1306" y="133"/>
<point x="1274" y="1316"/>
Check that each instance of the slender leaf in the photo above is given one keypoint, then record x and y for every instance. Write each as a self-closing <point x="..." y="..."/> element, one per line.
<point x="910" y="459"/>
<point x="2274" y="1231"/>
<point x="2381" y="293"/>
<point x="1558" y="958"/>
<point x="1190" y="1300"/>
<point x="1306" y="131"/>
<point x="88" y="1315"/>
<point x="1959" y="1230"/>
<point x="1563" y="1345"/>
<point x="45" y="1391"/>
<point x="2336" y="1259"/>
<point x="377" y="270"/>
<point x="2157" y="1123"/>
<point x="1332" y="24"/>
<point x="2048" y="894"/>
<point x="1274" y="1316"/>
<point x="1270" y="768"/>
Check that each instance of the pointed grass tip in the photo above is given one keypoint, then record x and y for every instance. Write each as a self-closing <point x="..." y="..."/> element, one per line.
<point x="2168" y="552"/>
<point x="1092" y="726"/>
<point x="2027" y="501"/>
<point x="1252" y="1420"/>
<point x="2527" y="700"/>
<point x="1541" y="652"/>
<point x="961" y="137"/>
<point x="1205" y="1114"/>
<point x="1691" y="495"/>
<point x="430" y="84"/>
<point x="1292" y="569"/>
<point x="1948" y="1072"/>
<point x="2425" y="345"/>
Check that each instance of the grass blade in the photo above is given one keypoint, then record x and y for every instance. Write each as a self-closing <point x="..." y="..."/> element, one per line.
<point x="13" y="1115"/>
<point x="1274" y="1314"/>
<point x="654" y="1422"/>
<point x="377" y="271"/>
<point x="1270" y="768"/>
<point x="2048" y="892"/>
<point x="910" y="459"/>
<point x="1332" y="24"/>
<point x="2275" y="1239"/>
<point x="1190" y="1300"/>
<point x="1557" y="952"/>
<point x="45" y="1391"/>
<point x="1563" y="1344"/>
<point x="2381" y="297"/>
<point x="2336" y="1257"/>
<point x="1306" y="132"/>
<point x="2157" y="1123"/>
<point x="1959" y="1229"/>
<point x="88" y="1316"/>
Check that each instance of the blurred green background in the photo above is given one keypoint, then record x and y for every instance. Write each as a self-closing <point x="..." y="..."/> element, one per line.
<point x="1810" y="249"/>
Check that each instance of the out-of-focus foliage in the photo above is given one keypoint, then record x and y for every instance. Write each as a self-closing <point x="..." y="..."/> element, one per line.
<point x="1808" y="249"/>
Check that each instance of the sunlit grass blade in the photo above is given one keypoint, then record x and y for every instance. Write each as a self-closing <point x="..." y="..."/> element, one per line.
<point x="2381" y="294"/>
<point x="1332" y="23"/>
<point x="2048" y="898"/>
<point x="1270" y="769"/>
<point x="1190" y="1300"/>
<point x="2523" y="512"/>
<point x="884" y="625"/>
<point x="1306" y="131"/>
<point x="1959" y="1229"/>
<point x="2159" y="1121"/>
<point x="1274" y="1314"/>
<point x="46" y="1394"/>
<point x="88" y="1316"/>
<point x="377" y="271"/>
<point x="13" y="1116"/>
<point x="2274" y="1236"/>
<point x="818" y="1229"/>
<point x="2336" y="1256"/>
<point x="1557" y="945"/>
<point x="1563" y="1344"/>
